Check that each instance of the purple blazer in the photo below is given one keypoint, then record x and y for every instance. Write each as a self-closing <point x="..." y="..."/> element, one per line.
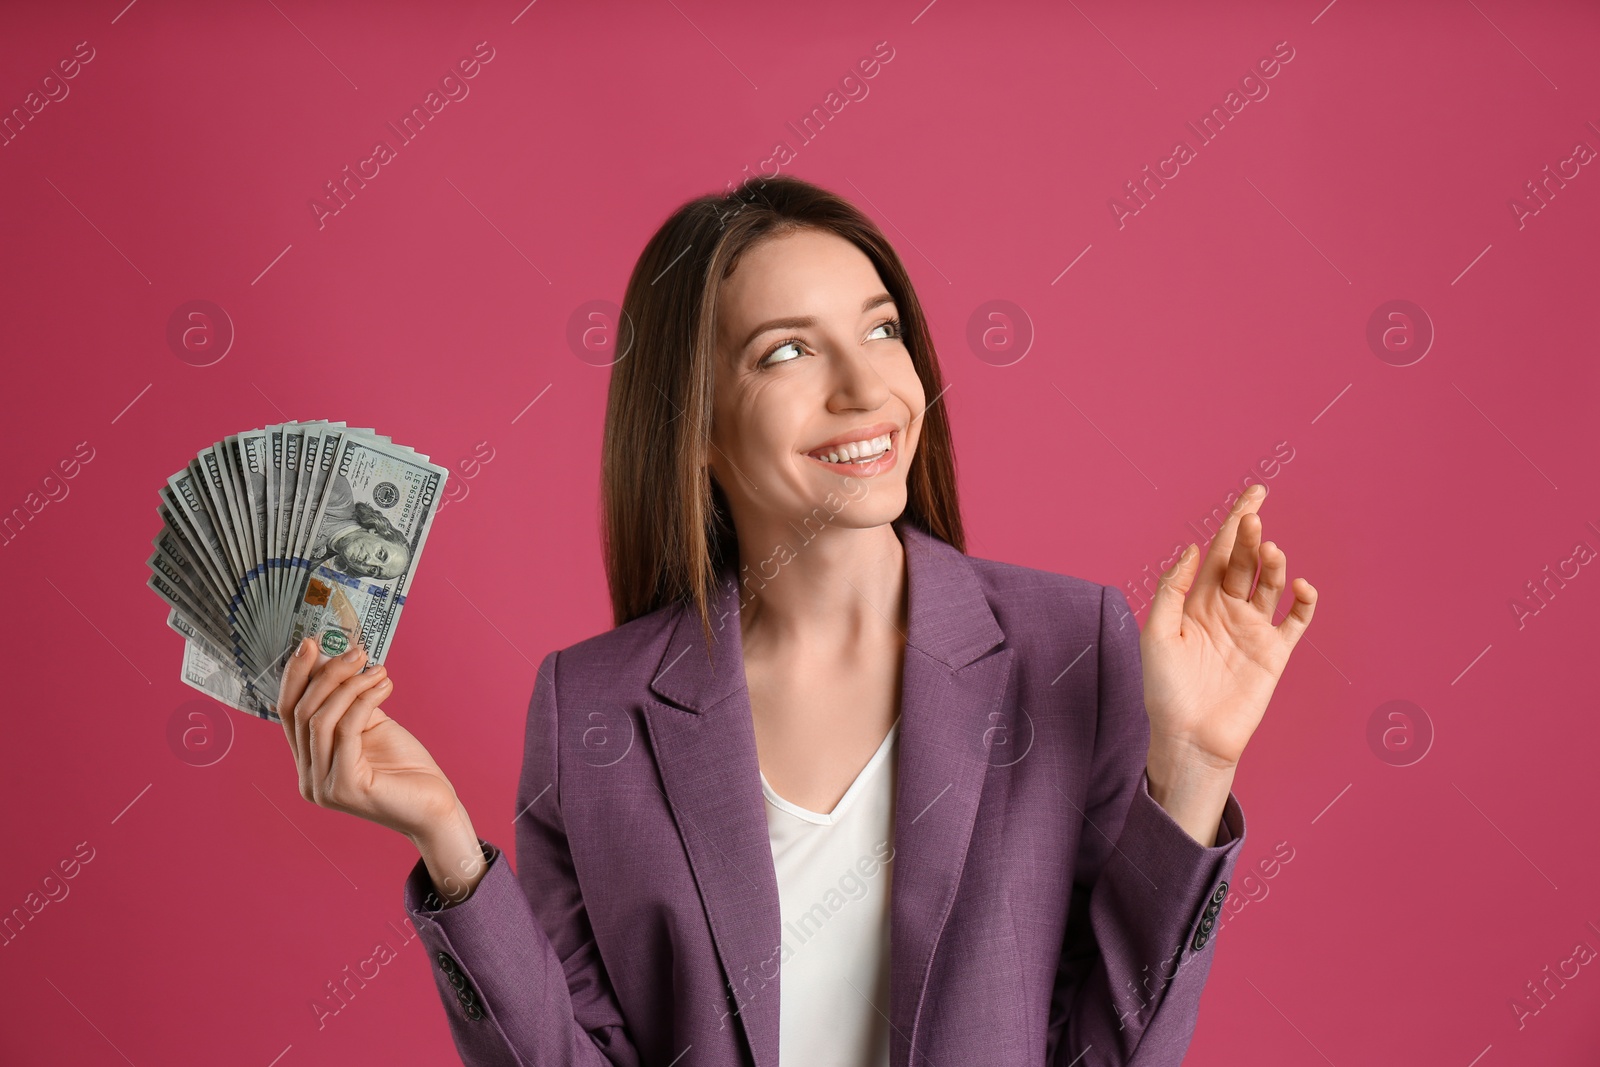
<point x="1044" y="910"/>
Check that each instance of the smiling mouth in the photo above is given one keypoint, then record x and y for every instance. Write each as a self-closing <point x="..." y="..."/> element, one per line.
<point x="858" y="453"/>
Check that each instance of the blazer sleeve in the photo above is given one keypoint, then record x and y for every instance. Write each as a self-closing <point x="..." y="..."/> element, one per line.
<point x="516" y="962"/>
<point x="1143" y="912"/>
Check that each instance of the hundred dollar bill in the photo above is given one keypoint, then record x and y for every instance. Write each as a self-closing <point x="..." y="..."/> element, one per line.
<point x="192" y="503"/>
<point x="166" y="579"/>
<point x="210" y="670"/>
<point x="305" y="453"/>
<point x="175" y="541"/>
<point x="318" y="438"/>
<point x="358" y="552"/>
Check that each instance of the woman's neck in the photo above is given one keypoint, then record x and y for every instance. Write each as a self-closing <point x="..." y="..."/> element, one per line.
<point x="843" y="587"/>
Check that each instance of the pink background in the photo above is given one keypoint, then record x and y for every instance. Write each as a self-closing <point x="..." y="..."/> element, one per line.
<point x="1222" y="325"/>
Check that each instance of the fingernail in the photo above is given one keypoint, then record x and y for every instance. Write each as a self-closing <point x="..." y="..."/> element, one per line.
<point x="300" y="648"/>
<point x="352" y="654"/>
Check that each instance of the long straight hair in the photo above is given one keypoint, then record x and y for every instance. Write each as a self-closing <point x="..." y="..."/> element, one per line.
<point x="667" y="529"/>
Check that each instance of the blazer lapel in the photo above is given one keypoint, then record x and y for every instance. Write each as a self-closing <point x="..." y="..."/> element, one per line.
<point x="948" y="702"/>
<point x="703" y="737"/>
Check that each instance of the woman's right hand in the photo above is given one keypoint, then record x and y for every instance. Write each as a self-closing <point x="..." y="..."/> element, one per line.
<point x="354" y="758"/>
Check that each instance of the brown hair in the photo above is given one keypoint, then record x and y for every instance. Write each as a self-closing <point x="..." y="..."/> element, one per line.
<point x="667" y="529"/>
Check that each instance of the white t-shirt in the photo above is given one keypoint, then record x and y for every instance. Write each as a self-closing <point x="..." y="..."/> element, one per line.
<point x="833" y="886"/>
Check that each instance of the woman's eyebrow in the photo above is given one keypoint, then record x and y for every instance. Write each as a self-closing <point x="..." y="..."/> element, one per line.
<point x="806" y="321"/>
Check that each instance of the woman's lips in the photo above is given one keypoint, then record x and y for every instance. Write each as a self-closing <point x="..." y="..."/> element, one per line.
<point x="867" y="468"/>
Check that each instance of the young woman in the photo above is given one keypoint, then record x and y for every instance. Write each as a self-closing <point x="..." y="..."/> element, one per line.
<point x="830" y="788"/>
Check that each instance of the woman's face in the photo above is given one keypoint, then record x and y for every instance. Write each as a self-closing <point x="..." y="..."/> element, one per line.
<point x="809" y="354"/>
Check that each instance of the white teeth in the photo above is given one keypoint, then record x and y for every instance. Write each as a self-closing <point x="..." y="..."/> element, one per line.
<point x="855" y="451"/>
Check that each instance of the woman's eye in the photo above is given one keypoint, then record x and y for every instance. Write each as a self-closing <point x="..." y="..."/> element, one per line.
<point x="769" y="357"/>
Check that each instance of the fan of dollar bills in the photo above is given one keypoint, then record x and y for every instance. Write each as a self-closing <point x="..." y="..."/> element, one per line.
<point x="295" y="530"/>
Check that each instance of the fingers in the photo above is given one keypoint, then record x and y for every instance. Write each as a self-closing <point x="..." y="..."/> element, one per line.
<point x="322" y="723"/>
<point x="293" y="684"/>
<point x="1242" y="561"/>
<point x="1274" y="566"/>
<point x="1166" y="607"/>
<point x="323" y="680"/>
<point x="346" y="740"/>
<point x="1219" y="555"/>
<point x="1299" y="617"/>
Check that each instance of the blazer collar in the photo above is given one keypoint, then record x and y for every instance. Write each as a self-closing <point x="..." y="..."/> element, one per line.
<point x="702" y="736"/>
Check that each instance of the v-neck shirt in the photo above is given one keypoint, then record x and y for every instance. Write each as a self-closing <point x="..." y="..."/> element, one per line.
<point x="833" y="888"/>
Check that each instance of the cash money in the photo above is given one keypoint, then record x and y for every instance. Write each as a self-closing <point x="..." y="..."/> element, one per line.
<point x="300" y="529"/>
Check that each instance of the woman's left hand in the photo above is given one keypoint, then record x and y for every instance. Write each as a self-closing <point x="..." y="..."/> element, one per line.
<point x="1211" y="654"/>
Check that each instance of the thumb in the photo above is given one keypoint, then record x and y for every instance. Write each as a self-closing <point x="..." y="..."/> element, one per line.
<point x="1166" y="607"/>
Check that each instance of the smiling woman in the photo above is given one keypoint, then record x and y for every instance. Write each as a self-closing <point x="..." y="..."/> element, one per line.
<point x="815" y="336"/>
<point x="805" y="665"/>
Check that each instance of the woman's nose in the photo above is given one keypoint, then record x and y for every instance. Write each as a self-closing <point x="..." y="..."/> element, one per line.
<point x="856" y="380"/>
